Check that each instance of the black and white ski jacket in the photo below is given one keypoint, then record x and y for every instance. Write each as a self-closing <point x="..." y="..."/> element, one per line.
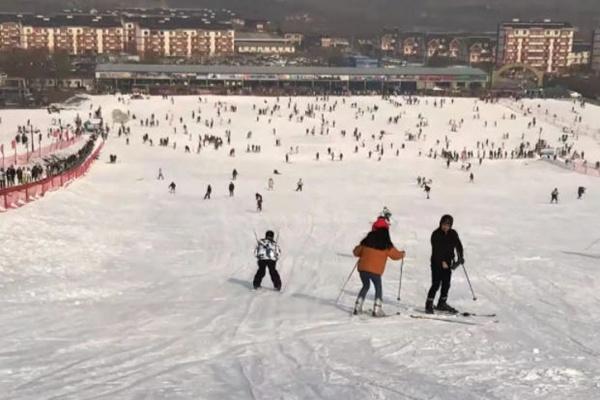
<point x="267" y="249"/>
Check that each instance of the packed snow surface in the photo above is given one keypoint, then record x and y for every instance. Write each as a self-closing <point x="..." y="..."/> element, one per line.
<point x="112" y="288"/>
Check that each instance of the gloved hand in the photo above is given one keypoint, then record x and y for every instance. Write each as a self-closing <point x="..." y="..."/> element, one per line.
<point x="460" y="261"/>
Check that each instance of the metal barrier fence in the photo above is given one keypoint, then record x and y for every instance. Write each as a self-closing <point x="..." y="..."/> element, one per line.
<point x="24" y="158"/>
<point x="17" y="196"/>
<point x="578" y="166"/>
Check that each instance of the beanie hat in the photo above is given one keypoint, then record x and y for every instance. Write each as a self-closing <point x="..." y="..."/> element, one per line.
<point x="447" y="219"/>
<point x="380" y="223"/>
<point x="269" y="235"/>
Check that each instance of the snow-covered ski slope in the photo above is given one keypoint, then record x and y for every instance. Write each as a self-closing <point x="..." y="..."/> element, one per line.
<point x="112" y="288"/>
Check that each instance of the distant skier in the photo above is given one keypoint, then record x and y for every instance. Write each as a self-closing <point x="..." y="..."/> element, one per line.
<point x="299" y="185"/>
<point x="386" y="215"/>
<point x="160" y="175"/>
<point x="259" y="201"/>
<point x="373" y="252"/>
<point x="267" y="252"/>
<point x="231" y="189"/>
<point x="172" y="187"/>
<point x="271" y="183"/>
<point x="444" y="242"/>
<point x="427" y="189"/>
<point x="471" y="177"/>
<point x="554" y="196"/>
<point x="208" y="192"/>
<point x="580" y="192"/>
<point x="234" y="174"/>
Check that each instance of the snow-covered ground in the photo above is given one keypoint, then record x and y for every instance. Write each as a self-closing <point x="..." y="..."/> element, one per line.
<point x="112" y="288"/>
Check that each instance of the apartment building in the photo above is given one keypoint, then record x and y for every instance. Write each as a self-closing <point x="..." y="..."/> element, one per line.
<point x="596" y="51"/>
<point x="182" y="37"/>
<point x="10" y="31"/>
<point x="580" y="55"/>
<point x="73" y="34"/>
<point x="544" y="45"/>
<point x="419" y="46"/>
<point x="133" y="32"/>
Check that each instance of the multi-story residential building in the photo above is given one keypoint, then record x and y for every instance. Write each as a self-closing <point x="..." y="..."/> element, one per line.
<point x="596" y="51"/>
<point x="10" y="31"/>
<point x="446" y="46"/>
<point x="482" y="50"/>
<point x="182" y="37"/>
<point x="75" y="35"/>
<point x="544" y="46"/>
<point x="141" y="32"/>
<point x="388" y="40"/>
<point x="580" y="55"/>
<point x="412" y="47"/>
<point x="294" y="38"/>
<point x="419" y="46"/>
<point x="334" y="42"/>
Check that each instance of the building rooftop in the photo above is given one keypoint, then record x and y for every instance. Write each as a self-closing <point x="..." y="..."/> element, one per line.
<point x="92" y="20"/>
<point x="174" y="23"/>
<point x="535" y="24"/>
<point x="275" y="70"/>
<point x="258" y="37"/>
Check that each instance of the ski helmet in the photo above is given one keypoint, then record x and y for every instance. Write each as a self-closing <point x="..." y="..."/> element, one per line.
<point x="447" y="219"/>
<point x="381" y="223"/>
<point x="269" y="235"/>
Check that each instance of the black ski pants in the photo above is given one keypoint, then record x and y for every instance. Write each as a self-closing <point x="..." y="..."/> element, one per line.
<point x="260" y="274"/>
<point x="439" y="276"/>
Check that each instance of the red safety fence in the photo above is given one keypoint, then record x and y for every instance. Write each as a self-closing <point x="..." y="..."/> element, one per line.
<point x="24" y="158"/>
<point x="578" y="166"/>
<point x="17" y="196"/>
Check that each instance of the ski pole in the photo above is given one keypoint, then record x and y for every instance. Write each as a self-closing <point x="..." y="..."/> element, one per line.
<point x="345" y="283"/>
<point x="400" y="282"/>
<point x="256" y="236"/>
<point x="469" y="282"/>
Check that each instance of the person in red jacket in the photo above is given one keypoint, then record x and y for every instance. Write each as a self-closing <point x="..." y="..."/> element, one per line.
<point x="373" y="252"/>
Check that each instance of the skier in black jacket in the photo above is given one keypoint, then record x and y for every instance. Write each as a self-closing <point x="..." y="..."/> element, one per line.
<point x="444" y="241"/>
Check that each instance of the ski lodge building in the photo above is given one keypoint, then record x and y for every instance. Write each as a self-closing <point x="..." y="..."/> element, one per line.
<point x="153" y="78"/>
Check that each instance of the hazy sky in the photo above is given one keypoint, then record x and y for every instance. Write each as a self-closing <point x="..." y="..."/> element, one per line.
<point x="366" y="16"/>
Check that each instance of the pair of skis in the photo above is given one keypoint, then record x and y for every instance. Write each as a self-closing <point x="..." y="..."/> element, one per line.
<point x="458" y="318"/>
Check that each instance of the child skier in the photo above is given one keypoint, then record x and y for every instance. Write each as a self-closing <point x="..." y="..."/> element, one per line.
<point x="267" y="253"/>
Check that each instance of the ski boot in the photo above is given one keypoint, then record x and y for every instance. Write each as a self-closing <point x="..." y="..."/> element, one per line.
<point x="377" y="308"/>
<point x="358" y="305"/>
<point x="429" y="306"/>
<point x="443" y="306"/>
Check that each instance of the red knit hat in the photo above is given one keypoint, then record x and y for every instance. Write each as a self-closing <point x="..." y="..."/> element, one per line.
<point x="381" y="223"/>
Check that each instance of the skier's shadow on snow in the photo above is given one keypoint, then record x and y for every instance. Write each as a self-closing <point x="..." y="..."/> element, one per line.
<point x="325" y="302"/>
<point x="245" y="284"/>
<point x="575" y="253"/>
<point x="313" y="299"/>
